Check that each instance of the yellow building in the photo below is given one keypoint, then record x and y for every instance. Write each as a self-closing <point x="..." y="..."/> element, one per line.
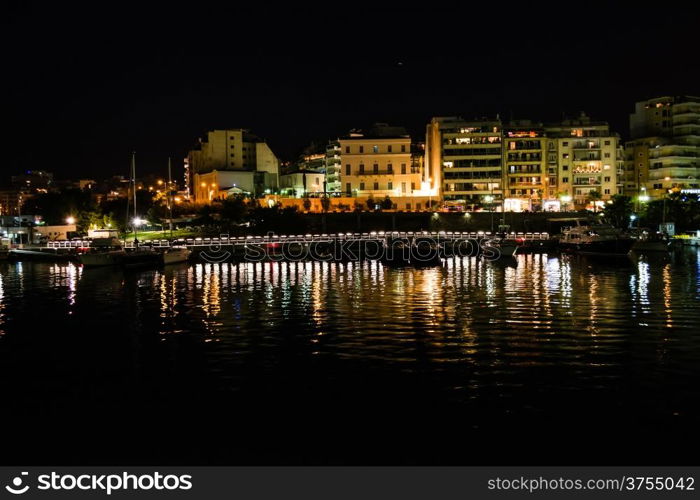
<point x="583" y="158"/>
<point x="232" y="150"/>
<point x="378" y="164"/>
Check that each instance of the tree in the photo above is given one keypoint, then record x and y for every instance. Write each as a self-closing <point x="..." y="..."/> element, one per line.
<point x="387" y="204"/>
<point x="619" y="209"/>
<point x="89" y="219"/>
<point x="594" y="196"/>
<point x="680" y="208"/>
<point x="233" y="209"/>
<point x="55" y="207"/>
<point x="325" y="203"/>
<point x="307" y="203"/>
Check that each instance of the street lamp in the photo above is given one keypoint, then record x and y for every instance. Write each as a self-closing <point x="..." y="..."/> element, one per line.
<point x="565" y="199"/>
<point x="70" y="220"/>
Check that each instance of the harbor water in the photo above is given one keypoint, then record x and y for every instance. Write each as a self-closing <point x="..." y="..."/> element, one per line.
<point x="544" y="359"/>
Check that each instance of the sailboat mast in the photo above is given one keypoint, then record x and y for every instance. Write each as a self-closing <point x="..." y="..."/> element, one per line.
<point x="133" y="183"/>
<point x="170" y="199"/>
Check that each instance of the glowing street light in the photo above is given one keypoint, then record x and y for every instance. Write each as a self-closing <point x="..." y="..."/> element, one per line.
<point x="644" y="198"/>
<point x="70" y="220"/>
<point x="565" y="199"/>
<point x="138" y="221"/>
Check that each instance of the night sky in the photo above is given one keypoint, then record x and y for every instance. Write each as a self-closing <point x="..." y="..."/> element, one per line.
<point x="83" y="88"/>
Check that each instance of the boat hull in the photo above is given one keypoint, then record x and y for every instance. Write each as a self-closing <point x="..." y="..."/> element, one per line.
<point x="101" y="259"/>
<point x="175" y="256"/>
<point x="620" y="246"/>
<point x="651" y="246"/>
<point x="141" y="258"/>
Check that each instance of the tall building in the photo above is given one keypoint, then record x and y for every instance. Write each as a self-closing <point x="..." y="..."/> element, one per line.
<point x="524" y="163"/>
<point x="582" y="157"/>
<point x="378" y="163"/>
<point x="333" y="167"/>
<point x="241" y="159"/>
<point x="464" y="160"/>
<point x="664" y="151"/>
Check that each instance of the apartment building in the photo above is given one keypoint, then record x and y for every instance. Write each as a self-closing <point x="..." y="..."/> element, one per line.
<point x="378" y="163"/>
<point x="525" y="171"/>
<point x="664" y="151"/>
<point x="583" y="157"/>
<point x="245" y="160"/>
<point x="464" y="160"/>
<point x="333" y="167"/>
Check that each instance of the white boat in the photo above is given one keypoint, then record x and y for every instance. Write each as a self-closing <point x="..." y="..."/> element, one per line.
<point x="175" y="255"/>
<point x="595" y="238"/>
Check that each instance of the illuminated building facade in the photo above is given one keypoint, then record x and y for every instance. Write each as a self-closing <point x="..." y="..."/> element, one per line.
<point x="305" y="182"/>
<point x="522" y="165"/>
<point x="524" y="161"/>
<point x="664" y="152"/>
<point x="236" y="151"/>
<point x="584" y="162"/>
<point x="333" y="167"/>
<point x="378" y="164"/>
<point x="464" y="160"/>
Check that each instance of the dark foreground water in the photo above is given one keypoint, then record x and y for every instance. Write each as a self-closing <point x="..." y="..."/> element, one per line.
<point x="555" y="360"/>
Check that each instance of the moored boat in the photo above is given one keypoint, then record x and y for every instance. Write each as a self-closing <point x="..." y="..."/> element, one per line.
<point x="175" y="254"/>
<point x="647" y="241"/>
<point x="103" y="252"/>
<point x="141" y="257"/>
<point x="595" y="238"/>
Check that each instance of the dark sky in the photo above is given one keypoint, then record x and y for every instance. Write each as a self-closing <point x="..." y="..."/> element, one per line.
<point x="83" y="87"/>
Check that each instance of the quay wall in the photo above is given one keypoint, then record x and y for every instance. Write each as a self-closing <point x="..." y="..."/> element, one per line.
<point x="426" y="221"/>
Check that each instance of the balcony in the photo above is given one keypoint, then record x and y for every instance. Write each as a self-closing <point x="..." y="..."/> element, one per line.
<point x="587" y="156"/>
<point x="524" y="157"/>
<point x="525" y="173"/>
<point x="587" y="182"/>
<point x="378" y="172"/>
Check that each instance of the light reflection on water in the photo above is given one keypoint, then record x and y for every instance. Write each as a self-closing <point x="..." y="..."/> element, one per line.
<point x="522" y="335"/>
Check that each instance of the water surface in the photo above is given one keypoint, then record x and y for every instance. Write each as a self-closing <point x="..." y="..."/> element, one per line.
<point x="548" y="357"/>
